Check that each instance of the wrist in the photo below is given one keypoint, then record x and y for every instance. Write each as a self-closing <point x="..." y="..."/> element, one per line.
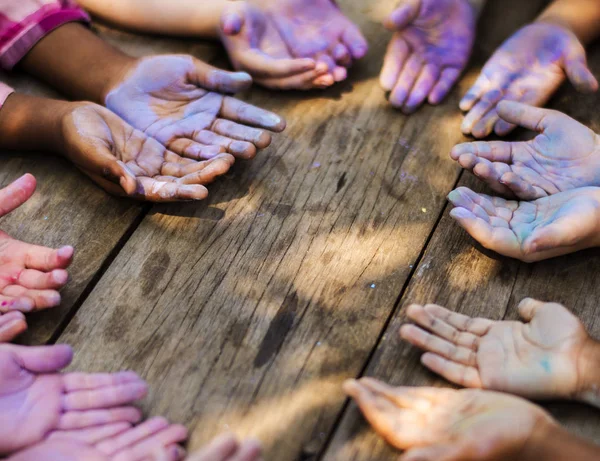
<point x="537" y="447"/>
<point x="577" y="16"/>
<point x="588" y="371"/>
<point x="33" y="123"/>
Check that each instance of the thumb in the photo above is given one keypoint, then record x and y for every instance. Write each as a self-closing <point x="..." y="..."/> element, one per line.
<point x="43" y="359"/>
<point x="232" y="20"/>
<point x="530" y="117"/>
<point x="454" y="452"/>
<point x="16" y="193"/>
<point x="222" y="81"/>
<point x="578" y="71"/>
<point x="402" y="16"/>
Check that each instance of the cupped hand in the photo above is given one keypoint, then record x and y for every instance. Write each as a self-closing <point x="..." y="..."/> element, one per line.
<point x="434" y="424"/>
<point x="177" y="100"/>
<point x="38" y="402"/>
<point x="530" y="231"/>
<point x="538" y="358"/>
<point x="564" y="156"/>
<point x="30" y="275"/>
<point x="529" y="67"/>
<point x="125" y="161"/>
<point x="430" y="48"/>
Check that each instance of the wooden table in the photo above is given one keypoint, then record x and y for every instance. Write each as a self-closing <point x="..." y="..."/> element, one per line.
<point x="248" y="311"/>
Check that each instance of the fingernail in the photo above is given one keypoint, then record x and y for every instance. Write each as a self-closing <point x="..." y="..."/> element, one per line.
<point x="65" y="252"/>
<point x="60" y="277"/>
<point x="53" y="299"/>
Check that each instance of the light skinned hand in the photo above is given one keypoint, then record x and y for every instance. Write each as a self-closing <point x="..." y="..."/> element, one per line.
<point x="292" y="44"/>
<point x="564" y="156"/>
<point x="37" y="402"/>
<point x="530" y="231"/>
<point x="178" y="101"/>
<point x="227" y="448"/>
<point x="30" y="275"/>
<point x="529" y="67"/>
<point x="446" y="425"/>
<point x="431" y="46"/>
<point x="538" y="358"/>
<point x="125" y="161"/>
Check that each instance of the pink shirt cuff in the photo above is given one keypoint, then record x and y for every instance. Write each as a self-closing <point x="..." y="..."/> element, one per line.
<point x="5" y="92"/>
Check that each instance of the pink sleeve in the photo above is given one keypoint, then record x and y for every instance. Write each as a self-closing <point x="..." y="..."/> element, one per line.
<point x="5" y="92"/>
<point x="23" y="23"/>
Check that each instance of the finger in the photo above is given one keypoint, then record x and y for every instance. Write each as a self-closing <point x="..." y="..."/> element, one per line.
<point x="431" y="343"/>
<point x="485" y="104"/>
<point x="232" y="21"/>
<point x="43" y="359"/>
<point x="491" y="173"/>
<point x="43" y="299"/>
<point x="92" y="435"/>
<point x="16" y="193"/>
<point x="135" y="435"/>
<point x="477" y="326"/>
<point x="446" y="82"/>
<point x="241" y="112"/>
<point x="456" y="373"/>
<point x="12" y="325"/>
<point x="578" y="71"/>
<point x="419" y="399"/>
<point x="174" y="433"/>
<point x="221" y="81"/>
<point x="477" y="228"/>
<point x="476" y="203"/>
<point x="532" y="118"/>
<point x="340" y="73"/>
<point x="106" y="397"/>
<point x="207" y="175"/>
<point x="406" y="80"/>
<point x="474" y="94"/>
<point x="30" y="278"/>
<point x="402" y="16"/>
<point x="341" y="54"/>
<point x="395" y="57"/>
<point x="528" y="308"/>
<point x="521" y="188"/>
<point x="450" y="452"/>
<point x="324" y="58"/>
<point x="250" y="450"/>
<point x="205" y="172"/>
<point x="316" y="78"/>
<point x="90" y="381"/>
<point x="260" y="138"/>
<point x="220" y="449"/>
<point x="163" y="191"/>
<point x="189" y="148"/>
<point x="494" y="151"/>
<point x="423" y="86"/>
<point x="355" y="41"/>
<point x="47" y="259"/>
<point x="85" y="419"/>
<point x="485" y="126"/>
<point x="11" y="304"/>
<point x="239" y="149"/>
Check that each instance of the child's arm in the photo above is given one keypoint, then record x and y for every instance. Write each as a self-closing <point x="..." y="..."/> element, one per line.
<point x="181" y="17"/>
<point x="582" y="17"/>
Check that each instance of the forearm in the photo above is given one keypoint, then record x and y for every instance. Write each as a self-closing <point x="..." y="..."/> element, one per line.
<point x="77" y="62"/>
<point x="168" y="17"/>
<point x="582" y="17"/>
<point x="32" y="123"/>
<point x="553" y="443"/>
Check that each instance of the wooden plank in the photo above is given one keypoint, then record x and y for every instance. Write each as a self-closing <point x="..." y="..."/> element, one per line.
<point x="247" y="312"/>
<point x="458" y="273"/>
<point x="68" y="208"/>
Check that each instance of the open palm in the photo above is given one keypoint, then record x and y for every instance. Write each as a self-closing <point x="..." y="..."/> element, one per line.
<point x="537" y="358"/>
<point x="37" y="401"/>
<point x="530" y="231"/>
<point x="429" y="50"/>
<point x="434" y="424"/>
<point x="529" y="67"/>
<point x="564" y="156"/>
<point x="177" y="100"/>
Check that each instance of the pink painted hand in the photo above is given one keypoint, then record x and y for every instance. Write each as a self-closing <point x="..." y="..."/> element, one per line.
<point x="430" y="48"/>
<point x="30" y="275"/>
<point x="529" y="67"/>
<point x="530" y="231"/>
<point x="292" y="44"/>
<point x="38" y="402"/>
<point x="539" y="358"/>
<point x="177" y="100"/>
<point x="125" y="161"/>
<point x="564" y="156"/>
<point x="435" y="424"/>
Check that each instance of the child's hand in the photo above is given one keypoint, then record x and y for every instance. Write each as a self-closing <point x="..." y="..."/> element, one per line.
<point x="529" y="67"/>
<point x="434" y="424"/>
<point x="30" y="275"/>
<point x="530" y="231"/>
<point x="538" y="359"/>
<point x="564" y="156"/>
<point x="291" y="44"/>
<point x="430" y="48"/>
<point x="125" y="161"/>
<point x="177" y="100"/>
